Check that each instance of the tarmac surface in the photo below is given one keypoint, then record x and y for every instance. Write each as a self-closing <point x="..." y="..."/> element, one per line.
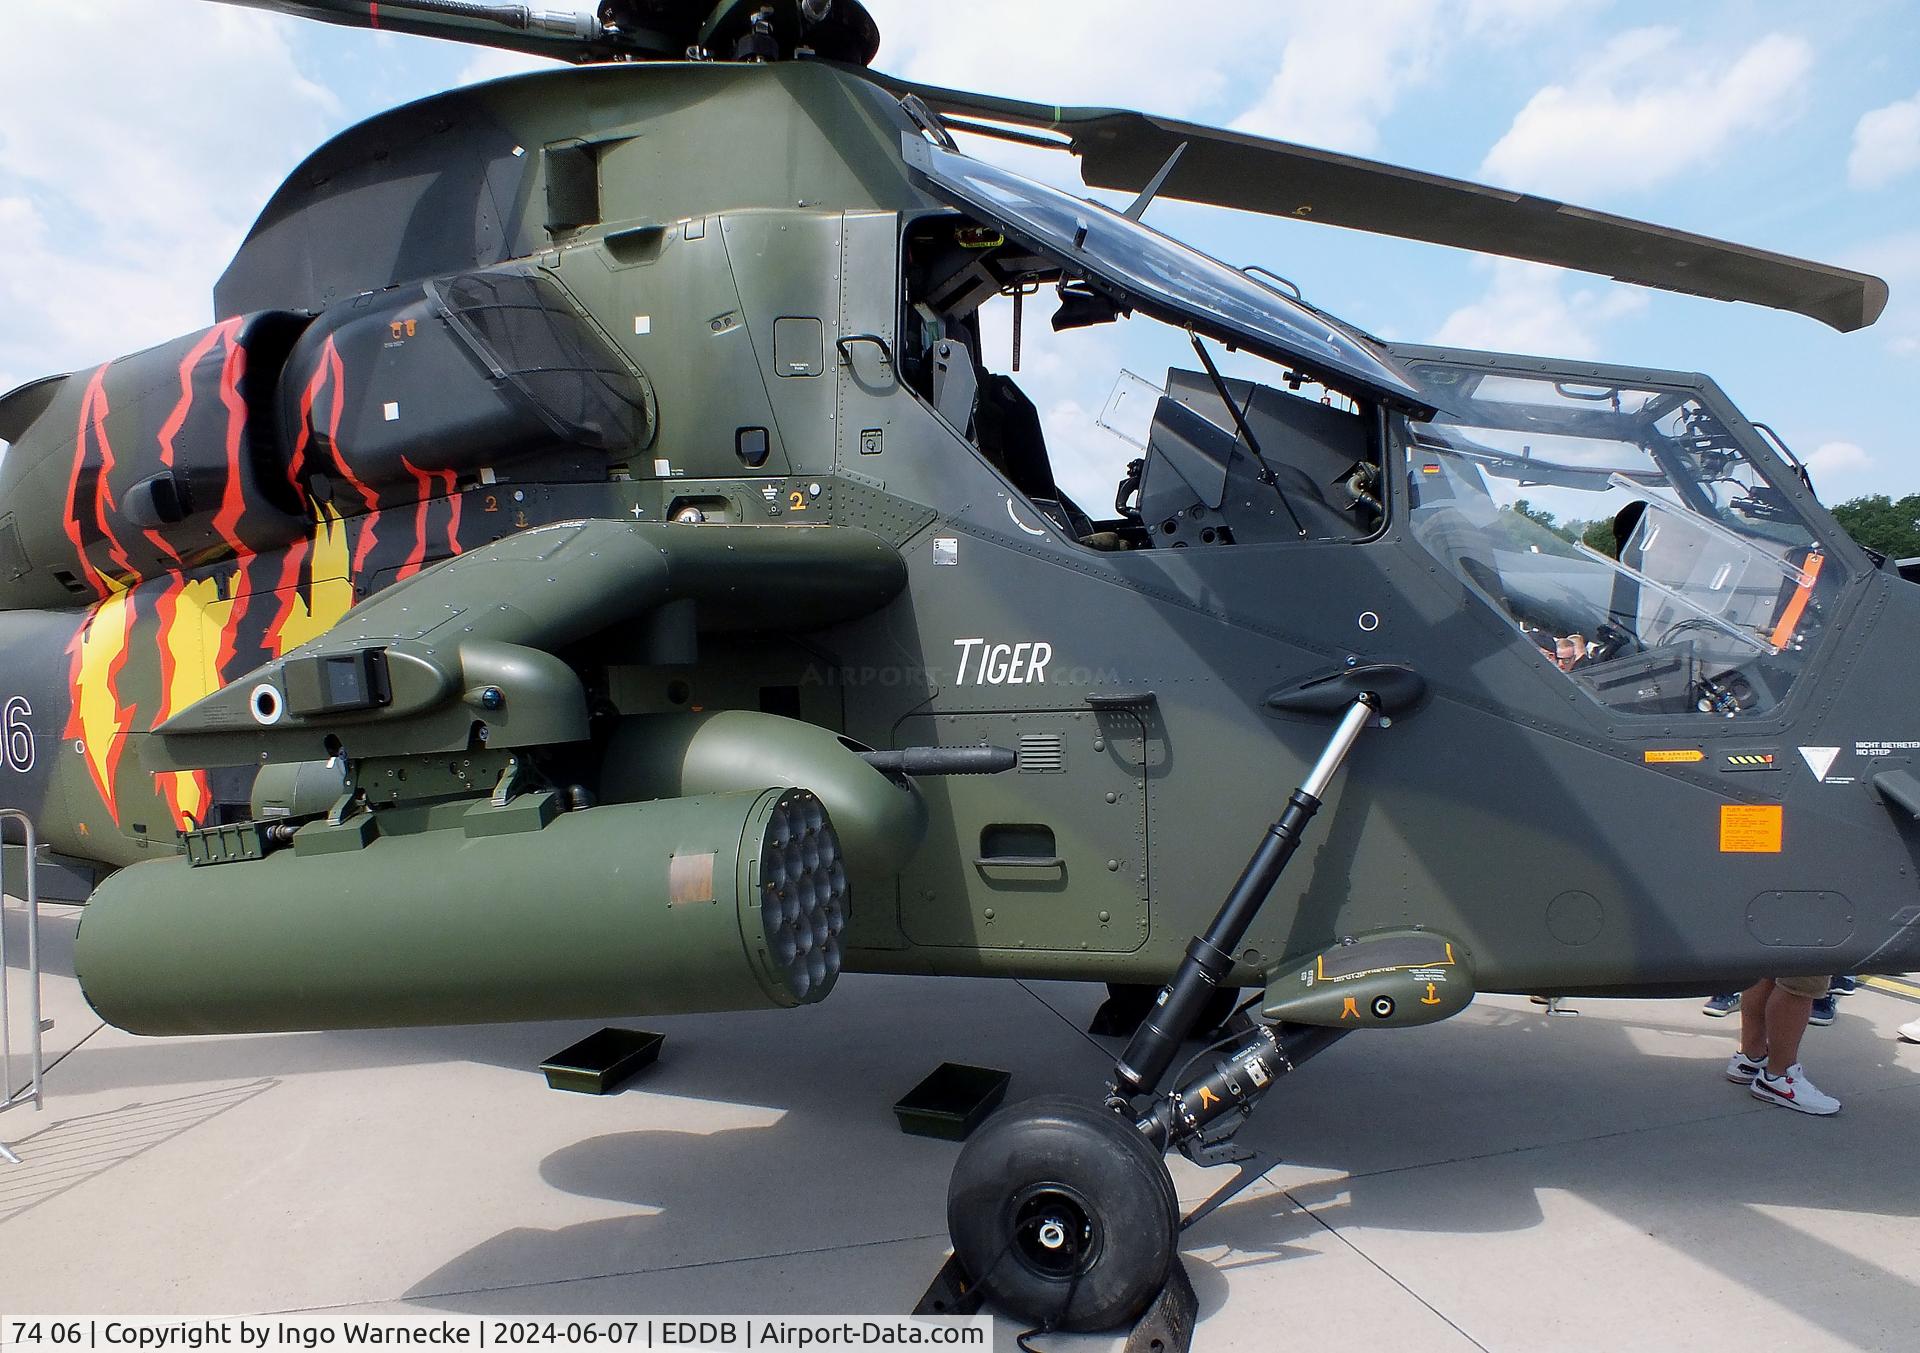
<point x="1501" y="1181"/>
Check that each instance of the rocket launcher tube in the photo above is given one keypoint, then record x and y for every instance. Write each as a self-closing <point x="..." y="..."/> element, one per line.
<point x="716" y="902"/>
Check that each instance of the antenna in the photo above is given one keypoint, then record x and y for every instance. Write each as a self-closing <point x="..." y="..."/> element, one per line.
<point x="1139" y="207"/>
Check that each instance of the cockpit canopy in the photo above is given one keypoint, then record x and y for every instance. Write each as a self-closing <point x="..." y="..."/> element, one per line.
<point x="1142" y="269"/>
<point x="1636" y="530"/>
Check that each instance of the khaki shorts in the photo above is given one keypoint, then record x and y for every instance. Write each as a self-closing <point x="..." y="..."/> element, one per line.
<point x="1813" y="988"/>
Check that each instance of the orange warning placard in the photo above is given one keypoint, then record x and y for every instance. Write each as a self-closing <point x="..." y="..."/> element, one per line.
<point x="1750" y="829"/>
<point x="1662" y="756"/>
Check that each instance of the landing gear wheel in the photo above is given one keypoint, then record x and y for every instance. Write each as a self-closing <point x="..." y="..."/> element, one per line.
<point x="1063" y="1214"/>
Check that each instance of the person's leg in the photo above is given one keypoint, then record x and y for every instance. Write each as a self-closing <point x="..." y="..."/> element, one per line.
<point x="1783" y="1081"/>
<point x="1719" y="1007"/>
<point x="1786" y="1022"/>
<point x="1753" y="1020"/>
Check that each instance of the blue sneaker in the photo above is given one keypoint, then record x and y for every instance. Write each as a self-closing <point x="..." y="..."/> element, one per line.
<point x="1822" y="1011"/>
<point x="1843" y="986"/>
<point x="1719" y="1007"/>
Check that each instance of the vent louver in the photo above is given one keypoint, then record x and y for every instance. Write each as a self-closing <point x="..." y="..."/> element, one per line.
<point x="1042" y="754"/>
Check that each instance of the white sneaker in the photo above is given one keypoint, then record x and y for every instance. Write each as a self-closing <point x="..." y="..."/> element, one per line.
<point x="1910" y="1033"/>
<point x="1793" y="1091"/>
<point x="1741" y="1069"/>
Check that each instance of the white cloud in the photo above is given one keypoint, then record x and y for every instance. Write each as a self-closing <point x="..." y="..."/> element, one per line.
<point x="1343" y="71"/>
<point x="1341" y="75"/>
<point x="1081" y="52"/>
<point x="1843" y="470"/>
<point x="1327" y="76"/>
<point x="1894" y="257"/>
<point x="1646" y="109"/>
<point x="1886" y="144"/>
<point x="1838" y="460"/>
<point x="136" y="143"/>
<point x="493" y="63"/>
<point x="1897" y="259"/>
<point x="1526" y="308"/>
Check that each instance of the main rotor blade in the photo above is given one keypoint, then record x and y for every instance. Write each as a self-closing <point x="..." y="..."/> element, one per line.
<point x="1122" y="150"/>
<point x="540" y="30"/>
<point x="615" y="30"/>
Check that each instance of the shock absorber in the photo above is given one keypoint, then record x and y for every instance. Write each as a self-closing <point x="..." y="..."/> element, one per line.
<point x="1209" y="958"/>
<point x="1237" y="1080"/>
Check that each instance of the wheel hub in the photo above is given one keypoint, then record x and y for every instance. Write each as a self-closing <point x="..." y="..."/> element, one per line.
<point x="1053" y="1235"/>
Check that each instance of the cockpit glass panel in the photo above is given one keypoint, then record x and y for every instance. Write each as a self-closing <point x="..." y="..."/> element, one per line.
<point x="1158" y="274"/>
<point x="1626" y="532"/>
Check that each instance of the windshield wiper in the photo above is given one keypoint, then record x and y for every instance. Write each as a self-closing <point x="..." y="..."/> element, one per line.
<point x="1267" y="475"/>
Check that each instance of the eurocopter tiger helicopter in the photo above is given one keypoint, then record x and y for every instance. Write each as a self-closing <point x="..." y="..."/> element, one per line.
<point x="590" y="568"/>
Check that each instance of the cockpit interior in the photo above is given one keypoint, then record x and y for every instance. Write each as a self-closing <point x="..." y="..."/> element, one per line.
<point x="1220" y="460"/>
<point x="1630" y="526"/>
<point x="1629" y="529"/>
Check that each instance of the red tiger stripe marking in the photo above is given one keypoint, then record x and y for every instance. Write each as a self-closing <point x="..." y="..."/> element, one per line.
<point x="170" y="430"/>
<point x="233" y="502"/>
<point x="423" y="501"/>
<point x="166" y="606"/>
<point x="296" y="462"/>
<point x="363" y="547"/>
<point x="296" y="555"/>
<point x="176" y="420"/>
<point x="123" y="713"/>
<point x="453" y="515"/>
<point x="166" y="610"/>
<point x="240" y="591"/>
<point x="96" y="406"/>
<point x="102" y="768"/>
<point x="73" y="486"/>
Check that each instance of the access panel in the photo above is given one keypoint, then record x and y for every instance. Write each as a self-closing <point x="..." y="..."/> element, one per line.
<point x="1051" y="855"/>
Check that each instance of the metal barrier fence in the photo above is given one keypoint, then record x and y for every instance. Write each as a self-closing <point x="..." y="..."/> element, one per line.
<point x="36" y="1067"/>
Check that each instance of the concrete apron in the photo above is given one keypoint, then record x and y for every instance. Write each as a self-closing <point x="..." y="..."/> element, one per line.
<point x="1502" y="1181"/>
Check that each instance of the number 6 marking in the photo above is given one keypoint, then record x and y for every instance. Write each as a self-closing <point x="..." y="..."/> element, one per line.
<point x="16" y="735"/>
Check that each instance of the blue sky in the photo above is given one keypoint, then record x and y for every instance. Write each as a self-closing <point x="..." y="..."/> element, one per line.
<point x="139" y="137"/>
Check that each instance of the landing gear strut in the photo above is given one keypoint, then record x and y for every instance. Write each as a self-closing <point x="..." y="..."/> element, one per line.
<point x="1062" y="1212"/>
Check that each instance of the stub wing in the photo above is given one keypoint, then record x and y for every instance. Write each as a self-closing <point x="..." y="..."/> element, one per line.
<point x="471" y="648"/>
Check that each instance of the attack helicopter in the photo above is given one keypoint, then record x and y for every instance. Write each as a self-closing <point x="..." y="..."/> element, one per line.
<point x="591" y="567"/>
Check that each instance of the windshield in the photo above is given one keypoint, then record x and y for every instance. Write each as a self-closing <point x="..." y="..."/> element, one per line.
<point x="1626" y="532"/>
<point x="1148" y="270"/>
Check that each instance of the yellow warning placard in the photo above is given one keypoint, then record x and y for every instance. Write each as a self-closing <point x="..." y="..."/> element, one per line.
<point x="1750" y="829"/>
<point x="1666" y="756"/>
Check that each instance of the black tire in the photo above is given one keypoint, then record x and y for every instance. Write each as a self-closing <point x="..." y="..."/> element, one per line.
<point x="1063" y="1214"/>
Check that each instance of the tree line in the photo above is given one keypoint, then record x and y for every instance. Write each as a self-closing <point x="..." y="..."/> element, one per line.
<point x="1889" y="525"/>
